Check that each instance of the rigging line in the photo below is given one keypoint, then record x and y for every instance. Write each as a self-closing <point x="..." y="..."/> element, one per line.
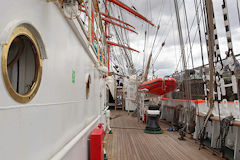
<point x="180" y="34"/>
<point x="155" y="59"/>
<point x="156" y="33"/>
<point x="146" y="38"/>
<point x="161" y="9"/>
<point x="150" y="6"/>
<point x="160" y="17"/>
<point x="113" y="56"/>
<point x="193" y="21"/>
<point x="162" y="33"/>
<point x="174" y="42"/>
<point x="188" y="56"/>
<point x="124" y="34"/>
<point x="204" y="17"/>
<point x="192" y="44"/>
<point x="160" y="48"/>
<point x="127" y="39"/>
<point x="189" y="39"/>
<point x="121" y="59"/>
<point x="199" y="31"/>
<point x="120" y="40"/>
<point x="144" y="49"/>
<point x="192" y="25"/>
<point x="189" y="53"/>
<point x="149" y="10"/>
<point x="121" y="29"/>
<point x="200" y="39"/>
<point x="238" y="12"/>
<point x="155" y="38"/>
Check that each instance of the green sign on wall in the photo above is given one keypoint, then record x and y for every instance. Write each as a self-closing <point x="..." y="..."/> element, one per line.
<point x="73" y="76"/>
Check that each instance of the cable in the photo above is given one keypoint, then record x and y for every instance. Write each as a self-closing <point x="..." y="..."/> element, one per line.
<point x="120" y="40"/>
<point x="160" y="49"/>
<point x="189" y="39"/>
<point x="238" y="12"/>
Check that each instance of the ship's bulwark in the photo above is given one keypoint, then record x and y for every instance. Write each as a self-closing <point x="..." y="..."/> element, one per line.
<point x="60" y="110"/>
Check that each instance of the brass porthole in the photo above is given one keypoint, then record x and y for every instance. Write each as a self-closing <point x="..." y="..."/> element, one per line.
<point x="22" y="65"/>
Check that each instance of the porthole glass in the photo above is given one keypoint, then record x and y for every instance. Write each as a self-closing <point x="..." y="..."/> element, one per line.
<point x="22" y="65"/>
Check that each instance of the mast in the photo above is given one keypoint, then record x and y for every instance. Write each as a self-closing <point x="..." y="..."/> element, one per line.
<point x="210" y="31"/>
<point x="147" y="67"/>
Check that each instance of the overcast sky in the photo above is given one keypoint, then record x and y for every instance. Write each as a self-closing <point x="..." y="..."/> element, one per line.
<point x="164" y="11"/>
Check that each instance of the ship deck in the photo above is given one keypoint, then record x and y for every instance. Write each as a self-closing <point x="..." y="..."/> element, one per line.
<point x="129" y="142"/>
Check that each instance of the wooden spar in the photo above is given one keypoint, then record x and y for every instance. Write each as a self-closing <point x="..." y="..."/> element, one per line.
<point x="147" y="67"/>
<point x="108" y="21"/>
<point x="117" y="20"/>
<point x="209" y="8"/>
<point x="124" y="6"/>
<point x="115" y="44"/>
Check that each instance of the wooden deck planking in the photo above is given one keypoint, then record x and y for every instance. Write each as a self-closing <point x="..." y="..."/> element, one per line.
<point x="129" y="142"/>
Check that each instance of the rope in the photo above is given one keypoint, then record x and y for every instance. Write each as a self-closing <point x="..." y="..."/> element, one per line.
<point x="224" y="129"/>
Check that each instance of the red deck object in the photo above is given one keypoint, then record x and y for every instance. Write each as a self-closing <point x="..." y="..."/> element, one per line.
<point x="159" y="86"/>
<point x="96" y="144"/>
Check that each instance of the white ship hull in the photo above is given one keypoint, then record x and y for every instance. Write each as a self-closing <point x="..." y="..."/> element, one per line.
<point x="57" y="122"/>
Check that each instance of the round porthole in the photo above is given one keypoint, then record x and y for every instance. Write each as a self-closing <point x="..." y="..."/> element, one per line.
<point x="22" y="65"/>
